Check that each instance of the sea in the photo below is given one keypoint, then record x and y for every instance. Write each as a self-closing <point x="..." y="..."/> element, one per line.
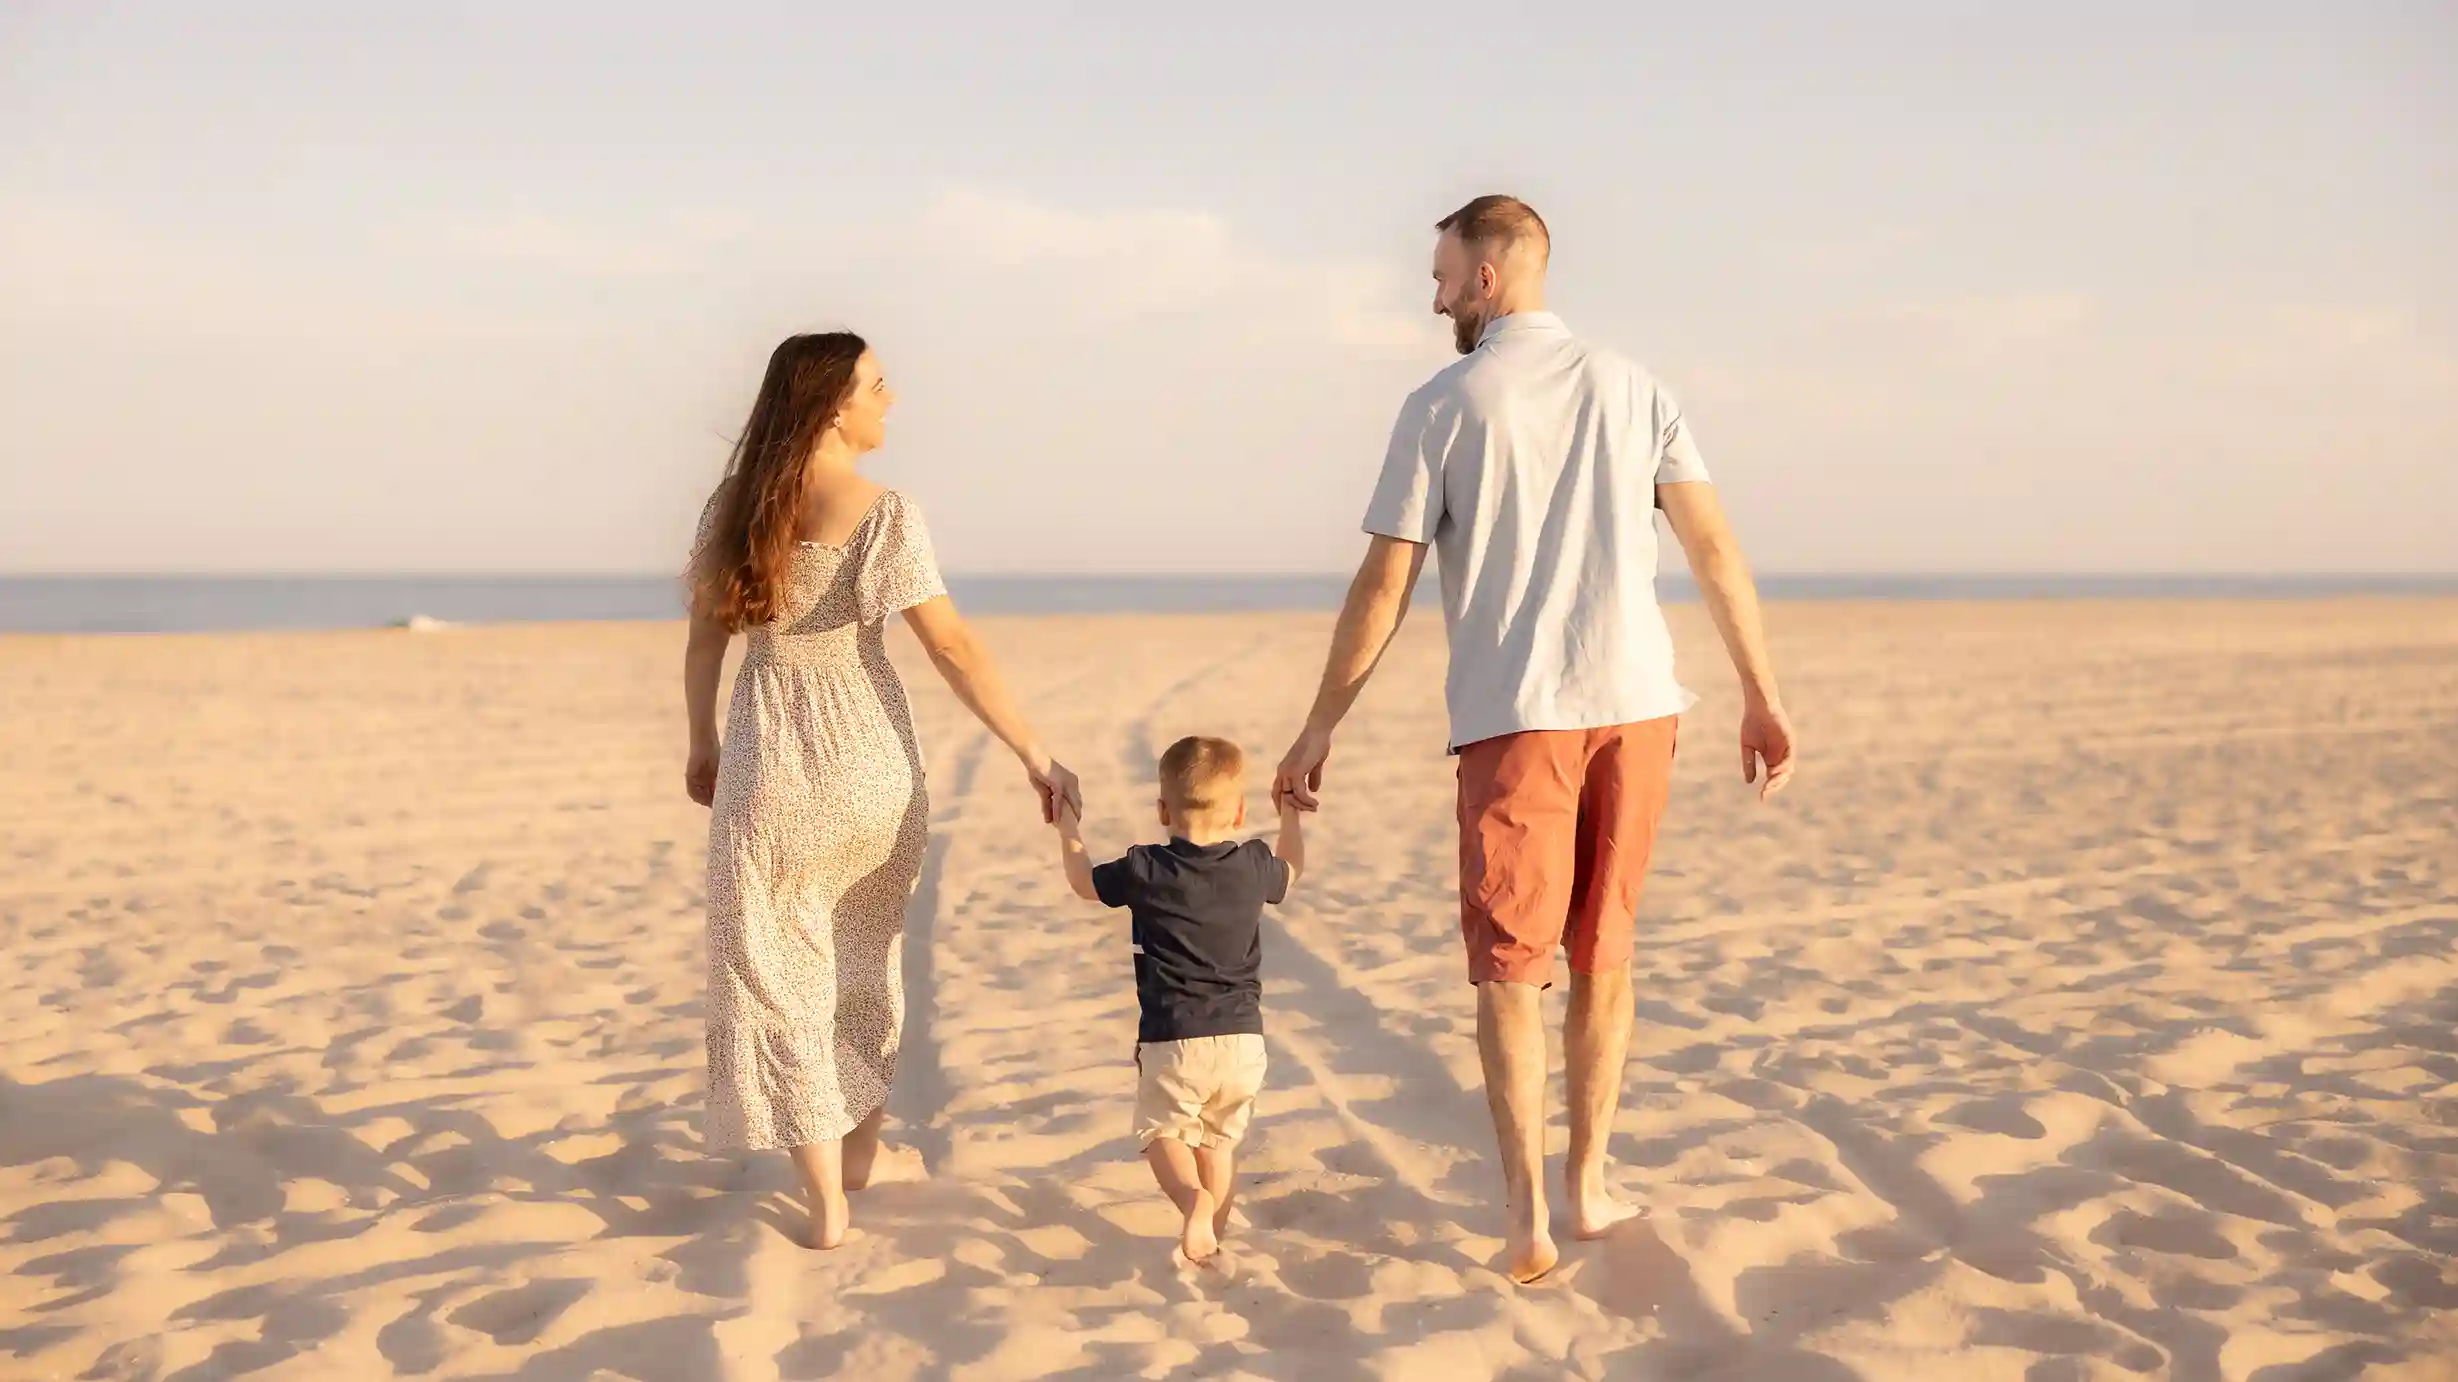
<point x="202" y="604"/>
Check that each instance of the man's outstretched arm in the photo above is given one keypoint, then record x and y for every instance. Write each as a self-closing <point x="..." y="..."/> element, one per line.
<point x="1731" y="596"/>
<point x="1377" y="602"/>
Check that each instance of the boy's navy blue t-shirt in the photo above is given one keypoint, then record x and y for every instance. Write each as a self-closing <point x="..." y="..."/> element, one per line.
<point x="1198" y="928"/>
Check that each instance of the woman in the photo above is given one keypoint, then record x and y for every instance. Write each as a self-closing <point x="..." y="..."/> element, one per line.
<point x="815" y="841"/>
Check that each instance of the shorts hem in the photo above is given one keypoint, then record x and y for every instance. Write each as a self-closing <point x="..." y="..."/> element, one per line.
<point x="1492" y="963"/>
<point x="1197" y="1138"/>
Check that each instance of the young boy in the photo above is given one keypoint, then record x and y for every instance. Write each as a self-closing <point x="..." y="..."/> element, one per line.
<point x="1196" y="905"/>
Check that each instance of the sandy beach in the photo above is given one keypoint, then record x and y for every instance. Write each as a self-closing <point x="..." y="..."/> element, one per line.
<point x="2088" y="1010"/>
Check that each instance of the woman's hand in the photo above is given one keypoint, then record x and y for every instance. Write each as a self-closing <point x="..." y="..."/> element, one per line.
<point x="1054" y="784"/>
<point x="700" y="772"/>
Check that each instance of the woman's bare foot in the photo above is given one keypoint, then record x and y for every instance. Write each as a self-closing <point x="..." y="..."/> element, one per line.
<point x="1201" y="1236"/>
<point x="830" y="1219"/>
<point x="860" y="1153"/>
<point x="1597" y="1212"/>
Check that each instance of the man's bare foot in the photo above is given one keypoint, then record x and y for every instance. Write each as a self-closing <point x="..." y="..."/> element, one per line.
<point x="1598" y="1212"/>
<point x="1200" y="1238"/>
<point x="830" y="1219"/>
<point x="1530" y="1259"/>
<point x="1530" y="1253"/>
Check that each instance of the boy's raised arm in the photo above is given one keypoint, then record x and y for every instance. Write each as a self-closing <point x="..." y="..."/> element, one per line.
<point x="1071" y="854"/>
<point x="1291" y="846"/>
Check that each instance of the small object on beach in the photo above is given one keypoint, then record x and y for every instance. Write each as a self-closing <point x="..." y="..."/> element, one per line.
<point x="421" y="623"/>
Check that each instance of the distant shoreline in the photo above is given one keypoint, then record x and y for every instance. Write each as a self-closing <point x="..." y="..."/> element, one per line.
<point x="223" y="603"/>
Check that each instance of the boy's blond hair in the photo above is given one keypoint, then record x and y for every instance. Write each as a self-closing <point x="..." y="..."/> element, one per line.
<point x="1203" y="779"/>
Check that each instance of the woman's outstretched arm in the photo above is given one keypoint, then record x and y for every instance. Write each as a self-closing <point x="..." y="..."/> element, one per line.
<point x="703" y="666"/>
<point x="965" y="664"/>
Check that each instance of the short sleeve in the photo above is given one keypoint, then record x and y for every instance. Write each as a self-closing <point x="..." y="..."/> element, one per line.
<point x="1273" y="870"/>
<point x="697" y="597"/>
<point x="701" y="535"/>
<point x="1117" y="882"/>
<point x="899" y="569"/>
<point x="1407" y="501"/>
<point x="1677" y="458"/>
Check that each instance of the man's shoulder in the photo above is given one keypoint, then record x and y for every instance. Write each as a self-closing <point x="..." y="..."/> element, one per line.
<point x="1450" y="383"/>
<point x="1615" y="363"/>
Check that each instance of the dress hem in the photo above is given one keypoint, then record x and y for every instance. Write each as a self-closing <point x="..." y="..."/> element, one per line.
<point x="748" y="1144"/>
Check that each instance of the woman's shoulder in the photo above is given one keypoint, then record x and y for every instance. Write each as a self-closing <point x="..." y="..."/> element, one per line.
<point x="893" y="531"/>
<point x="895" y="511"/>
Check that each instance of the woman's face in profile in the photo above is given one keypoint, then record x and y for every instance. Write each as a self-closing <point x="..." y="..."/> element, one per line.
<point x="863" y="421"/>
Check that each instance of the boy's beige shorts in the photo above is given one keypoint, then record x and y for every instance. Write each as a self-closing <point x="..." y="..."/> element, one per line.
<point x="1200" y="1091"/>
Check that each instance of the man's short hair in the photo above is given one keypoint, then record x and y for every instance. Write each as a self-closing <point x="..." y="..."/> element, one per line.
<point x="1495" y="225"/>
<point x="1203" y="777"/>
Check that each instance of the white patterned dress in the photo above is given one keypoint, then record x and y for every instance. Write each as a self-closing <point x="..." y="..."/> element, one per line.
<point x="815" y="843"/>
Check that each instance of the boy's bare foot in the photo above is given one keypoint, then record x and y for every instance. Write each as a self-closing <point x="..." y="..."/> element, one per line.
<point x="1598" y="1211"/>
<point x="1200" y="1238"/>
<point x="1529" y="1253"/>
<point x="830" y="1218"/>
<point x="1220" y="1220"/>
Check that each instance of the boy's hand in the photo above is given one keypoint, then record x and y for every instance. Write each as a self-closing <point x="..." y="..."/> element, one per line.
<point x="1071" y="855"/>
<point x="1291" y="846"/>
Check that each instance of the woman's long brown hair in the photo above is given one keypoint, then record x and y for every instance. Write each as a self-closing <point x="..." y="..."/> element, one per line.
<point x="738" y="569"/>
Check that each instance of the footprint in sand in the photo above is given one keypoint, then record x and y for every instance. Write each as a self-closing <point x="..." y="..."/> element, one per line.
<point x="520" y="1314"/>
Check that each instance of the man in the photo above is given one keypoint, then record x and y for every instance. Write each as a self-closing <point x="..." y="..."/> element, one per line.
<point x="1535" y="466"/>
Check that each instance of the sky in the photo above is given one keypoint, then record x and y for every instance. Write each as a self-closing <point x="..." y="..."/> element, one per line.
<point x="1976" y="288"/>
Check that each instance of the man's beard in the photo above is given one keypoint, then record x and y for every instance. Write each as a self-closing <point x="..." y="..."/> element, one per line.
<point x="1465" y="331"/>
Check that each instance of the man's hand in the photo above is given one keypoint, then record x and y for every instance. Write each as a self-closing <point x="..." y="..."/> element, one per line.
<point x="1301" y="771"/>
<point x="1766" y="748"/>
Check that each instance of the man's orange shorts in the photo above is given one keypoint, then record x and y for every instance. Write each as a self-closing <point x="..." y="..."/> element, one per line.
<point x="1555" y="829"/>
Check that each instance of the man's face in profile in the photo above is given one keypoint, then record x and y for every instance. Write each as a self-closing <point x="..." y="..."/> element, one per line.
<point x="1463" y="290"/>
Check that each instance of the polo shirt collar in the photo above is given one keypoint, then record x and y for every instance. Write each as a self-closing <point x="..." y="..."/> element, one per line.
<point x="1520" y="321"/>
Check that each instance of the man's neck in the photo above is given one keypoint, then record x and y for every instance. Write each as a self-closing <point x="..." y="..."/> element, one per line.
<point x="1517" y="303"/>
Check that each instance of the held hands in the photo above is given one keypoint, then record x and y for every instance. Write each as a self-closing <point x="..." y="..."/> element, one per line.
<point x="1766" y="744"/>
<point x="1301" y="771"/>
<point x="1056" y="786"/>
